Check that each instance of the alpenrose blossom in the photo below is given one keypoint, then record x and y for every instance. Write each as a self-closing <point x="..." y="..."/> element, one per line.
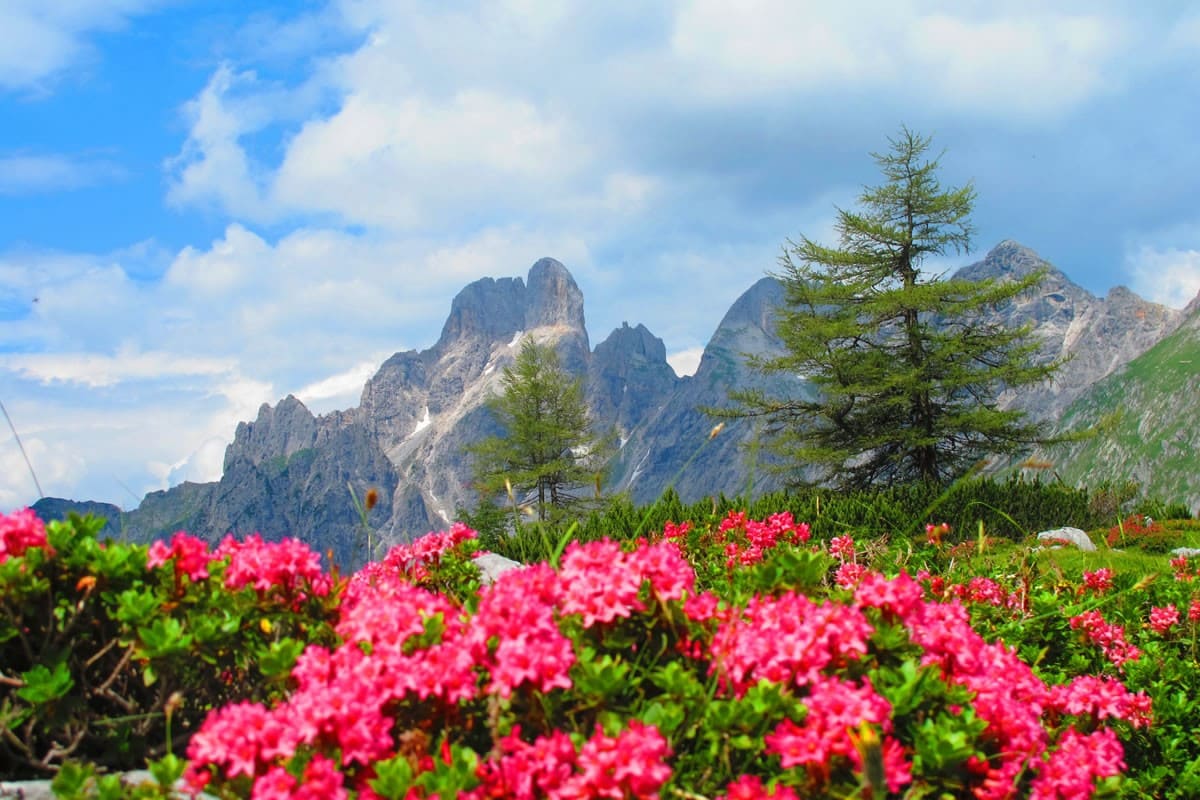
<point x="1163" y="619"/>
<point x="19" y="531"/>
<point x="1109" y="637"/>
<point x="406" y="648"/>
<point x="189" y="554"/>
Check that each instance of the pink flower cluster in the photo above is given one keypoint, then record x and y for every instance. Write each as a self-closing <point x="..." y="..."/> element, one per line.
<point x="985" y="591"/>
<point x="1100" y="698"/>
<point x="747" y="541"/>
<point x="19" y="531"/>
<point x="1109" y="637"/>
<point x="787" y="639"/>
<point x="1098" y="582"/>
<point x="1163" y="619"/>
<point x="849" y="571"/>
<point x="414" y="560"/>
<point x="835" y="709"/>
<point x="190" y="555"/>
<point x="1069" y="773"/>
<point x="751" y="787"/>
<point x="405" y="645"/>
<point x="402" y="641"/>
<point x="1008" y="696"/>
<point x="288" y="565"/>
<point x="630" y="764"/>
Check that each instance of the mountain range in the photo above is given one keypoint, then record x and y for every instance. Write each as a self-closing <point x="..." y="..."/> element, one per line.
<point x="289" y="472"/>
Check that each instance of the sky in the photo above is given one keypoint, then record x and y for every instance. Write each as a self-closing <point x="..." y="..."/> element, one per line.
<point x="206" y="205"/>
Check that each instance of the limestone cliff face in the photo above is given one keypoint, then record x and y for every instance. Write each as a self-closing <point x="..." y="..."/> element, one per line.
<point x="1093" y="336"/>
<point x="673" y="445"/>
<point x="287" y="472"/>
<point x="628" y="378"/>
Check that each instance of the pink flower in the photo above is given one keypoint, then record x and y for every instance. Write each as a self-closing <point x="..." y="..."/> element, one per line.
<point x="750" y="787"/>
<point x="835" y="708"/>
<point x="1194" y="611"/>
<point x="526" y="771"/>
<point x="599" y="582"/>
<point x="289" y="565"/>
<point x="898" y="597"/>
<point x="1101" y="698"/>
<point x="631" y="764"/>
<point x="1098" y="582"/>
<point x="842" y="548"/>
<point x="1163" y="619"/>
<point x="1109" y="637"/>
<point x="786" y="639"/>
<point x="676" y="533"/>
<point x="1071" y="770"/>
<point x="849" y="574"/>
<point x="231" y="738"/>
<point x="413" y="560"/>
<point x="19" y="531"/>
<point x="670" y="575"/>
<point x="190" y="554"/>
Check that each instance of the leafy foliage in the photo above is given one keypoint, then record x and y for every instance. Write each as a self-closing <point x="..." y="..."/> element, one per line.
<point x="107" y="659"/>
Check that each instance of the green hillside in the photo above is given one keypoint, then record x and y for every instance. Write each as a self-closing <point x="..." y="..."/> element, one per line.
<point x="1145" y="421"/>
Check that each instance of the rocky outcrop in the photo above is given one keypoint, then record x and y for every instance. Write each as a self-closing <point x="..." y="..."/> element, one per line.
<point x="1093" y="337"/>
<point x="628" y="378"/>
<point x="674" y="446"/>
<point x="52" y="508"/>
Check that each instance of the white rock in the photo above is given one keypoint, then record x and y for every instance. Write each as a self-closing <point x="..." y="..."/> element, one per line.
<point x="1073" y="535"/>
<point x="492" y="566"/>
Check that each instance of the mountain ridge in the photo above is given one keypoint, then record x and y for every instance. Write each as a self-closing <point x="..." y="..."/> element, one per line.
<point x="288" y="472"/>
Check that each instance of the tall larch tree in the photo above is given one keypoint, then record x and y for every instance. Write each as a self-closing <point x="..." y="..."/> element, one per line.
<point x="905" y="365"/>
<point x="548" y="452"/>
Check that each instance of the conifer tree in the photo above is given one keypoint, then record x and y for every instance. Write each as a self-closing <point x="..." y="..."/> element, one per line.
<point x="906" y="369"/>
<point x="548" y="451"/>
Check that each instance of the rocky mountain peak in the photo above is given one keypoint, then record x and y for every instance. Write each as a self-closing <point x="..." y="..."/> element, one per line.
<point x="279" y="431"/>
<point x="554" y="297"/>
<point x="1013" y="260"/>
<point x="489" y="309"/>
<point x="632" y="344"/>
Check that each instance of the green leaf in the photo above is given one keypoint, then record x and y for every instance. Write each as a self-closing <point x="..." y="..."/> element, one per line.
<point x="72" y="779"/>
<point x="43" y="685"/>
<point x="167" y="770"/>
<point x="163" y="637"/>
<point x="393" y="778"/>
<point x="280" y="657"/>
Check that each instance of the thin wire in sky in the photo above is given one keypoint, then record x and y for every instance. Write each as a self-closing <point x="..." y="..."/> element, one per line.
<point x="24" y="455"/>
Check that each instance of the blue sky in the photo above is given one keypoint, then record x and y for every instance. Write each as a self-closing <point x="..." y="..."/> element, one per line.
<point x="209" y="204"/>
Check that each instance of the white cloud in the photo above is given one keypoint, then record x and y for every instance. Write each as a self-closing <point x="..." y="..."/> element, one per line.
<point x="1170" y="276"/>
<point x="379" y="161"/>
<point x="204" y="465"/>
<point x="342" y="390"/>
<point x="39" y="39"/>
<point x="213" y="167"/>
<point x="685" y="362"/>
<point x="28" y="174"/>
<point x="1036" y="65"/>
<point x="95" y="370"/>
<point x="55" y="468"/>
<point x="1006" y="60"/>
